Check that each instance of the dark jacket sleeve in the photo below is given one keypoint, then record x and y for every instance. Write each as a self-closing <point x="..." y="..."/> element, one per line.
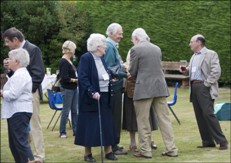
<point x="88" y="75"/>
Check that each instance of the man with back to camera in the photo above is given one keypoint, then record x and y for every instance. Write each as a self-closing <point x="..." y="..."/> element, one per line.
<point x="150" y="92"/>
<point x="13" y="39"/>
<point x="204" y="71"/>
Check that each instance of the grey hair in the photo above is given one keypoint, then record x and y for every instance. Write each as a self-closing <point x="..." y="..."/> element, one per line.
<point x="113" y="28"/>
<point x="94" y="41"/>
<point x="140" y="34"/>
<point x="200" y="38"/>
<point x="68" y="46"/>
<point x="21" y="55"/>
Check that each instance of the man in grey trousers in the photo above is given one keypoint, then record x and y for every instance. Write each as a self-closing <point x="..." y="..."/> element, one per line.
<point x="204" y="71"/>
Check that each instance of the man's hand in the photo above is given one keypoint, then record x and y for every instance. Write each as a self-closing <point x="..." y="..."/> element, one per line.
<point x="129" y="75"/>
<point x="6" y="63"/>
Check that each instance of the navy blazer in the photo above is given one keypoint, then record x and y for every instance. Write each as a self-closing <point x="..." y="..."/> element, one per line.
<point x="36" y="66"/>
<point x="88" y="82"/>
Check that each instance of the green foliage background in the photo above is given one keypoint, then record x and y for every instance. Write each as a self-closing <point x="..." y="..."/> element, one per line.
<point x="169" y="24"/>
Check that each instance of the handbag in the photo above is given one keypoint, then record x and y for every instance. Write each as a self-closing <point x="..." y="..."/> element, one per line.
<point x="130" y="87"/>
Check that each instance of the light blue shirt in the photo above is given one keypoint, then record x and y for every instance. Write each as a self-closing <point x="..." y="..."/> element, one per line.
<point x="196" y="68"/>
<point x="17" y="94"/>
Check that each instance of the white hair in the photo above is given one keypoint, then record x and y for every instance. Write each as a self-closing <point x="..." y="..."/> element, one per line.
<point x="94" y="41"/>
<point x="68" y="46"/>
<point x="21" y="55"/>
<point x="113" y="28"/>
<point x="140" y="34"/>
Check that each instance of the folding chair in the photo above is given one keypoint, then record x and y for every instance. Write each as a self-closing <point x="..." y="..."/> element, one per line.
<point x="173" y="102"/>
<point x="55" y="102"/>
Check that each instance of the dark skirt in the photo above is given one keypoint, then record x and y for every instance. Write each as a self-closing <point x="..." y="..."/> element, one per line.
<point x="88" y="128"/>
<point x="129" y="116"/>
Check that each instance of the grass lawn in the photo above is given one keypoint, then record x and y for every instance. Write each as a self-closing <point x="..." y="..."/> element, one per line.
<point x="186" y="138"/>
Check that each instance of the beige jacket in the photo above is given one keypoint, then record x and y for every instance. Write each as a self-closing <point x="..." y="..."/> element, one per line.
<point x="210" y="69"/>
<point x="146" y="68"/>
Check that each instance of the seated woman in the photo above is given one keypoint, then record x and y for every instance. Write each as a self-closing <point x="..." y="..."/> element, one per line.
<point x="94" y="88"/>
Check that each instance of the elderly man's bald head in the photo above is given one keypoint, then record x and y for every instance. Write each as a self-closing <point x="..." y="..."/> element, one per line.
<point x="199" y="37"/>
<point x="197" y="42"/>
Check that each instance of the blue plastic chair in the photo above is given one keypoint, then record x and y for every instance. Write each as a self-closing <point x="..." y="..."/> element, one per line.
<point x="55" y="102"/>
<point x="173" y="102"/>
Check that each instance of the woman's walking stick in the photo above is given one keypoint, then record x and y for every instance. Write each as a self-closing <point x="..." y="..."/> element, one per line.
<point x="100" y="128"/>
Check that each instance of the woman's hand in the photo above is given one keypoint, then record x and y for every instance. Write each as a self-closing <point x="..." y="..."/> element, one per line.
<point x="96" y="96"/>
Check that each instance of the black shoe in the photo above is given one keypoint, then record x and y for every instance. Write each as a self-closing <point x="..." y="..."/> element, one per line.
<point x="110" y="156"/>
<point x="223" y="145"/>
<point x="153" y="145"/>
<point x="115" y="148"/>
<point x="89" y="158"/>
<point x="206" y="146"/>
<point x="120" y="151"/>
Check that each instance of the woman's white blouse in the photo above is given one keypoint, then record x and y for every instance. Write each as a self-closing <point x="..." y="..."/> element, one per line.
<point x="17" y="94"/>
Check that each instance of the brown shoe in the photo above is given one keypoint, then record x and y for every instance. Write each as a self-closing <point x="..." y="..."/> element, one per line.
<point x="169" y="154"/>
<point x="139" y="155"/>
<point x="223" y="146"/>
<point x="133" y="148"/>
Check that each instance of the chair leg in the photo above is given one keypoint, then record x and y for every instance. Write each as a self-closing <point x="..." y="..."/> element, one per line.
<point x="69" y="123"/>
<point x="174" y="114"/>
<point x="51" y="119"/>
<point x="57" y="120"/>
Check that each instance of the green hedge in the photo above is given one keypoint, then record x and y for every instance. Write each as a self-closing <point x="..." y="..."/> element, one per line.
<point x="170" y="25"/>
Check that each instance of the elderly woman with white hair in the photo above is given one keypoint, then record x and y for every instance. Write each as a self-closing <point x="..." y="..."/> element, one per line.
<point x="17" y="105"/>
<point x="68" y="82"/>
<point x="94" y="87"/>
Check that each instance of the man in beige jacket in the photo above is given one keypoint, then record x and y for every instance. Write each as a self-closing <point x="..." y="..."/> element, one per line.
<point x="150" y="90"/>
<point x="204" y="71"/>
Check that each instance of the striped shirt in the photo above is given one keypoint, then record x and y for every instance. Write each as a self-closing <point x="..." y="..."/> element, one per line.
<point x="196" y="68"/>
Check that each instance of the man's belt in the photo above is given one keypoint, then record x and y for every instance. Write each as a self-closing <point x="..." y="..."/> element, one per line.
<point x="197" y="81"/>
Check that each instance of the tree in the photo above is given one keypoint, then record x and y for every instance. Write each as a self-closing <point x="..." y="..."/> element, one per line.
<point x="36" y="19"/>
<point x="47" y="24"/>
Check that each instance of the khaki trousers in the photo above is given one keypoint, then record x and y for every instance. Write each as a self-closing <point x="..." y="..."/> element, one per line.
<point x="36" y="133"/>
<point x="160" y="108"/>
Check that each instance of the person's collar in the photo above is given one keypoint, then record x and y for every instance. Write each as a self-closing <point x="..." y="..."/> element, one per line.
<point x="203" y="49"/>
<point x="95" y="56"/>
<point x="22" y="44"/>
<point x="113" y="42"/>
<point x="200" y="51"/>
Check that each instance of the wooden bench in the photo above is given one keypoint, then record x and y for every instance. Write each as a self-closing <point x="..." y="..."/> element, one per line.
<point x="171" y="71"/>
